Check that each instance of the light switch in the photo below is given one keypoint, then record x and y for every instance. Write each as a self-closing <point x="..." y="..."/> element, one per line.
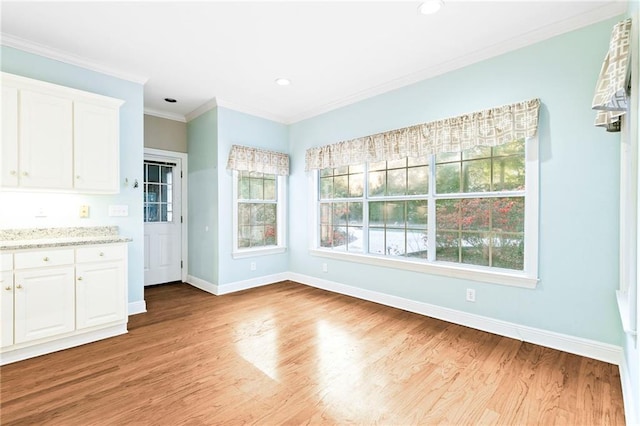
<point x="84" y="211"/>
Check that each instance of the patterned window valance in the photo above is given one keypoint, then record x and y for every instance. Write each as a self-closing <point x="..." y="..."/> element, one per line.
<point x="491" y="127"/>
<point x="611" y="97"/>
<point x="258" y="160"/>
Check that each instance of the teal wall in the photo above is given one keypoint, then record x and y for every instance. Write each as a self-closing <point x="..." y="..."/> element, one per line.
<point x="579" y="185"/>
<point x="202" y="148"/>
<point x="131" y="153"/>
<point x="630" y="344"/>
<point x="236" y="128"/>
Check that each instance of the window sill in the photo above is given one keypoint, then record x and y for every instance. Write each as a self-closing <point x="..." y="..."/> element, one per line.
<point x="446" y="269"/>
<point x="240" y="254"/>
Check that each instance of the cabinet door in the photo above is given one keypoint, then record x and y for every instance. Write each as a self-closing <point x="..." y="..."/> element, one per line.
<point x="46" y="144"/>
<point x="6" y="308"/>
<point x="9" y="157"/>
<point x="100" y="293"/>
<point x="44" y="303"/>
<point x="96" y="148"/>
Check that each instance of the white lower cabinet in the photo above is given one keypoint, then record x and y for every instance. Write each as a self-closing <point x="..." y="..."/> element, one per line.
<point x="99" y="300"/>
<point x="52" y="299"/>
<point x="6" y="308"/>
<point x="43" y="303"/>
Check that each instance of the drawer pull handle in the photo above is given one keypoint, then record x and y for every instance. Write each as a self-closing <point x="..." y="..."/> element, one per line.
<point x="8" y="288"/>
<point x="46" y="259"/>
<point x="79" y="278"/>
<point x="19" y="287"/>
<point x="101" y="254"/>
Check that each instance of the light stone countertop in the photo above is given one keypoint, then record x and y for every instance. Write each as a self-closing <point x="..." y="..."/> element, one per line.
<point x="34" y="238"/>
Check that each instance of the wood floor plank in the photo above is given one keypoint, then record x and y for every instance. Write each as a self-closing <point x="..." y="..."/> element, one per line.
<point x="292" y="354"/>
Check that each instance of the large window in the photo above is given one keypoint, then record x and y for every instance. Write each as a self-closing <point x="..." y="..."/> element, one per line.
<point x="462" y="210"/>
<point x="259" y="213"/>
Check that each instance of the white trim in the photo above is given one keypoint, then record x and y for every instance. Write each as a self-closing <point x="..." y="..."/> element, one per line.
<point x="163" y="114"/>
<point x="251" y="283"/>
<point x="281" y="221"/>
<point x="202" y="284"/>
<point x="453" y="270"/>
<point x="183" y="159"/>
<point x="610" y="10"/>
<point x="261" y="251"/>
<point x="251" y="110"/>
<point x="60" y="344"/>
<point x="137" y="307"/>
<point x="576" y="345"/>
<point x="527" y="278"/>
<point x="631" y="413"/>
<point x="222" y="289"/>
<point x="208" y="106"/>
<point x="69" y="58"/>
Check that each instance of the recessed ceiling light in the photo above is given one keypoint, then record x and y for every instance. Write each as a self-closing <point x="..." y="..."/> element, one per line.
<point x="283" y="81"/>
<point x="430" y="7"/>
<point x="170" y="100"/>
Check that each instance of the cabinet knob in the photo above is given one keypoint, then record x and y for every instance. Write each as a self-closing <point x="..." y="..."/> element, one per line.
<point x="8" y="288"/>
<point x="77" y="176"/>
<point x="19" y="287"/>
<point x="46" y="259"/>
<point x="101" y="254"/>
<point x="79" y="278"/>
<point x="25" y="174"/>
<point x="13" y="172"/>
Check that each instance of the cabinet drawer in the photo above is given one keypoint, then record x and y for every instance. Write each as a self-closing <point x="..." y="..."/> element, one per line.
<point x="37" y="259"/>
<point x="6" y="262"/>
<point x="100" y="253"/>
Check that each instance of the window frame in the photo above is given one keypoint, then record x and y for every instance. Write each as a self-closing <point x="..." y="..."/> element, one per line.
<point x="281" y="212"/>
<point x="527" y="278"/>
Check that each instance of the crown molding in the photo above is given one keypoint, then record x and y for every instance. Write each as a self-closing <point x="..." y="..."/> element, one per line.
<point x="256" y="112"/>
<point x="163" y="114"/>
<point x="59" y="55"/>
<point x="201" y="109"/>
<point x="615" y="8"/>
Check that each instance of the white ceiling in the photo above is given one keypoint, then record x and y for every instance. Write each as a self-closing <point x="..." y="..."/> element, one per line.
<point x="230" y="53"/>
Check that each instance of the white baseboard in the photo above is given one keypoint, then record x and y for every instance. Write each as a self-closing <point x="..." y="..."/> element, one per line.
<point x="252" y="283"/>
<point x="202" y="284"/>
<point x="631" y="414"/>
<point x="221" y="289"/>
<point x="576" y="345"/>
<point x="60" y="344"/>
<point x="137" y="307"/>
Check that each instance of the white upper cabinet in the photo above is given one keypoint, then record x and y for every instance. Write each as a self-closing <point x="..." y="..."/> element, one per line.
<point x="46" y="141"/>
<point x="58" y="138"/>
<point x="96" y="143"/>
<point x="9" y="150"/>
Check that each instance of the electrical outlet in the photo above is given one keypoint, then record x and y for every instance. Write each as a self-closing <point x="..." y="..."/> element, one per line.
<point x="325" y="268"/>
<point x="471" y="295"/>
<point x="253" y="266"/>
<point x="119" y="210"/>
<point x="84" y="211"/>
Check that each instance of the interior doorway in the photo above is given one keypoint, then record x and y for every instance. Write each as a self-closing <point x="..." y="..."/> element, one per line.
<point x="164" y="203"/>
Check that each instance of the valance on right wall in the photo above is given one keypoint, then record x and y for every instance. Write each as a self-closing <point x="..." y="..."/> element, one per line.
<point x="612" y="89"/>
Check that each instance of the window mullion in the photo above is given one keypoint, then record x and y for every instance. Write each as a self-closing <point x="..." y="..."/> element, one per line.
<point x="365" y="209"/>
<point x="431" y="211"/>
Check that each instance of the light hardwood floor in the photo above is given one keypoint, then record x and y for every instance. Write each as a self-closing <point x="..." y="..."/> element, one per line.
<point x="287" y="353"/>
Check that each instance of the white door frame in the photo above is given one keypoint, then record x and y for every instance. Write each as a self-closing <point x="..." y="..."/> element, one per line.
<point x="182" y="158"/>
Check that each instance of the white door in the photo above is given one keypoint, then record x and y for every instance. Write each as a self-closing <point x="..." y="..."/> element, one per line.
<point x="162" y="220"/>
<point x="9" y="148"/>
<point x="99" y="293"/>
<point x="6" y="308"/>
<point x="46" y="141"/>
<point x="96" y="147"/>
<point x="44" y="303"/>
